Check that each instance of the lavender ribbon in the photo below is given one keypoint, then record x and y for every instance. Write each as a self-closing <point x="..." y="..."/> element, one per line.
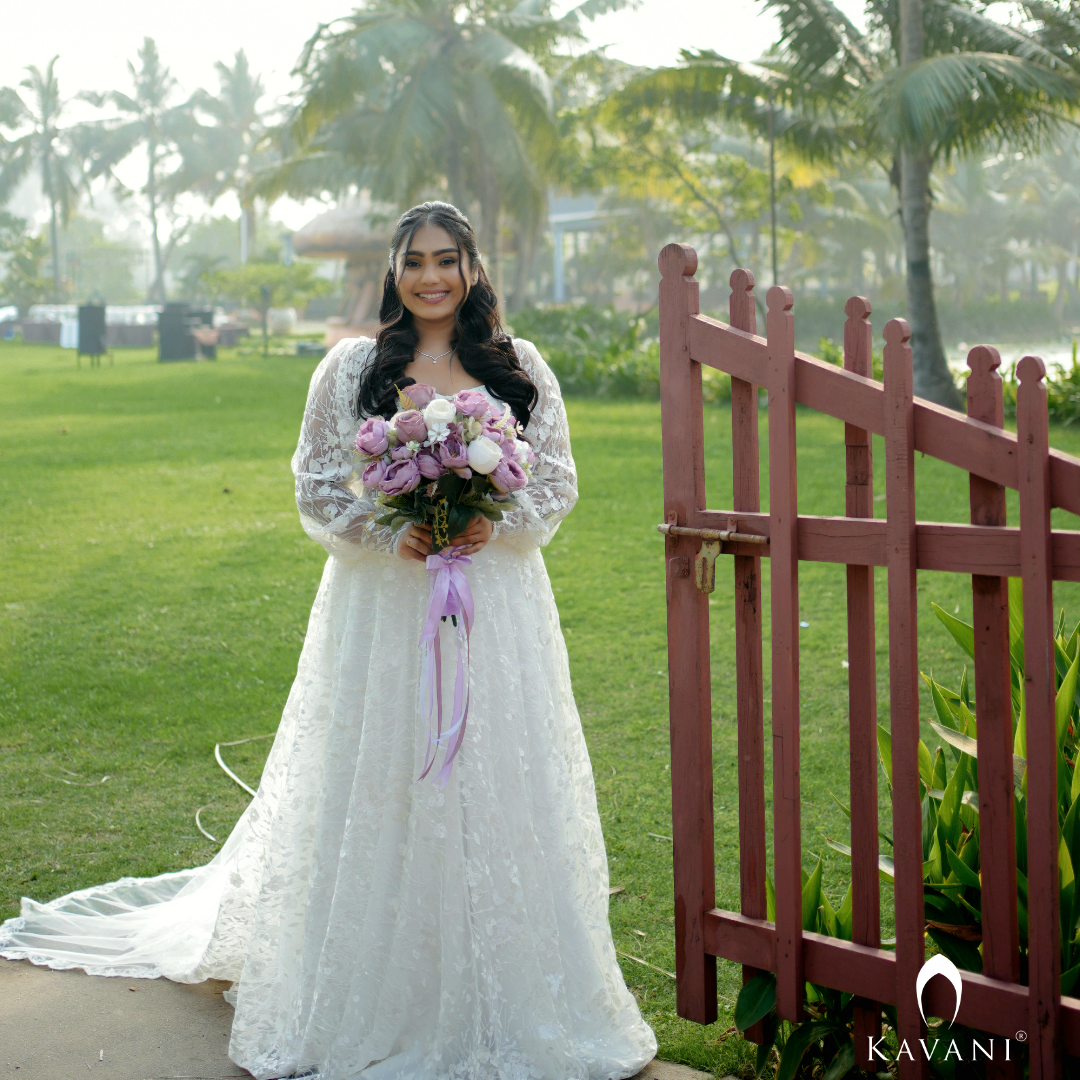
<point x="450" y="595"/>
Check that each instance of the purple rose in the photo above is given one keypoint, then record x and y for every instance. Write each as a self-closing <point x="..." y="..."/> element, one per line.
<point x="429" y="465"/>
<point x="371" y="438"/>
<point x="453" y="452"/>
<point x="409" y="426"/>
<point x="471" y="403"/>
<point x="496" y="409"/>
<point x="420" y="394"/>
<point x="401" y="453"/>
<point x="498" y="433"/>
<point x="508" y="476"/>
<point x="401" y="478"/>
<point x="375" y="473"/>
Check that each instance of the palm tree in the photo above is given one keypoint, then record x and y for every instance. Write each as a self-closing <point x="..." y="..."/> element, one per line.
<point x="407" y="97"/>
<point x="927" y="82"/>
<point x="148" y="121"/>
<point x="45" y="145"/>
<point x="222" y="156"/>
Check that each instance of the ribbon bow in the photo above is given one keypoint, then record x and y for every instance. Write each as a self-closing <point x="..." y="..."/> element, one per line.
<point x="450" y="595"/>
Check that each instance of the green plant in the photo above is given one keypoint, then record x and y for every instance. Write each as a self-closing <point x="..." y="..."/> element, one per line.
<point x="601" y="352"/>
<point x="822" y="1044"/>
<point x="950" y="817"/>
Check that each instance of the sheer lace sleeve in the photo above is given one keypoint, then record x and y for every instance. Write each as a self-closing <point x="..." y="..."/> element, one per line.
<point x="335" y="508"/>
<point x="552" y="492"/>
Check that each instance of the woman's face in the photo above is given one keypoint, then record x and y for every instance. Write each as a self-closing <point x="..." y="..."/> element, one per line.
<point x="429" y="279"/>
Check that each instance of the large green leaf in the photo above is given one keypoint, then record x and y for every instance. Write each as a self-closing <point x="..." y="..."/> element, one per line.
<point x="756" y="998"/>
<point x="963" y="872"/>
<point x="963" y="633"/>
<point x="884" y="741"/>
<point x="1065" y="700"/>
<point x="1016" y="623"/>
<point x="799" y="1041"/>
<point x="811" y="899"/>
<point x="842" y="1063"/>
<point x="886" y="868"/>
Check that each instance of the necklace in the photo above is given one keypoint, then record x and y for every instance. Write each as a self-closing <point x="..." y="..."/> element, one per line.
<point x="434" y="359"/>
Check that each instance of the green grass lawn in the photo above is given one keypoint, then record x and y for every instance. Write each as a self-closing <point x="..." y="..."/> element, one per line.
<point x="154" y="590"/>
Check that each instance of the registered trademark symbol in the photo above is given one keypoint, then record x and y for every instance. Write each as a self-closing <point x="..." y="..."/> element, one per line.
<point x="1021" y="1036"/>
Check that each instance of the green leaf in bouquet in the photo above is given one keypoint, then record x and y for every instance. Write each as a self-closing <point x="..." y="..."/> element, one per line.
<point x="458" y="519"/>
<point x="450" y="487"/>
<point x="490" y="511"/>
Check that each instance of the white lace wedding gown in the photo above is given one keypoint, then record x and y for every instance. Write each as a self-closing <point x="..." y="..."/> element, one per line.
<point x="372" y="924"/>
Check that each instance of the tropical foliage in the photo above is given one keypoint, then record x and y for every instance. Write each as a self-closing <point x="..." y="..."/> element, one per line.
<point x="42" y="142"/>
<point x="833" y="93"/>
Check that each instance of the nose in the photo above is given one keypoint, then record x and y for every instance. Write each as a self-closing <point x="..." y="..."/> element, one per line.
<point x="430" y="274"/>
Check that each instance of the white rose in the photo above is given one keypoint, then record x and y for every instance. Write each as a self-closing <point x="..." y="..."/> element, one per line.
<point x="484" y="455"/>
<point x="439" y="411"/>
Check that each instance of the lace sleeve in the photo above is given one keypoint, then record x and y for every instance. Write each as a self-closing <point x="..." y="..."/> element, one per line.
<point x="334" y="508"/>
<point x="552" y="492"/>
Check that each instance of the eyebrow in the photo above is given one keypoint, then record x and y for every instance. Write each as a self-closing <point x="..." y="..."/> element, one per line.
<point x="441" y="251"/>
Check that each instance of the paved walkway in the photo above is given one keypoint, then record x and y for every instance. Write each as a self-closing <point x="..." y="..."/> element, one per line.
<point x="62" y="1025"/>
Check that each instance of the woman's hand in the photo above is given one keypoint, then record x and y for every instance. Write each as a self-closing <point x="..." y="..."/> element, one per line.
<point x="475" y="536"/>
<point x="415" y="543"/>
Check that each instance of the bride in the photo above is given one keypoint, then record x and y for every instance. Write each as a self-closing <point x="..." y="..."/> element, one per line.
<point x="374" y="925"/>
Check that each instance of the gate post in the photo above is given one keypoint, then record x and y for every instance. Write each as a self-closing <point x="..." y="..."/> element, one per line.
<point x="862" y="688"/>
<point x="689" y="679"/>
<point x="784" y="596"/>
<point x="904" y="689"/>
<point x="1044" y="954"/>
<point x="749" y="684"/>
<point x="993" y="699"/>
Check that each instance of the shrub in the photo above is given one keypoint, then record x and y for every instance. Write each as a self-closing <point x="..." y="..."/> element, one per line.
<point x="601" y="352"/>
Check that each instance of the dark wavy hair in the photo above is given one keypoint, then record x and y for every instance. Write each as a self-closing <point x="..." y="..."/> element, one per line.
<point x="484" y="349"/>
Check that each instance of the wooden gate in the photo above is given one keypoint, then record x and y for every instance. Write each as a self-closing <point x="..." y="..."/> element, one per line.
<point x="994" y="1001"/>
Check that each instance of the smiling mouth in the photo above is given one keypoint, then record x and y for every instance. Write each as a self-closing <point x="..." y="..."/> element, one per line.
<point x="434" y="297"/>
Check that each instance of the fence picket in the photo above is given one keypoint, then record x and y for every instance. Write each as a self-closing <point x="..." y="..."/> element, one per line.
<point x="784" y="591"/>
<point x="1044" y="960"/>
<point x="904" y="684"/>
<point x="862" y="686"/>
<point x="748" y="655"/>
<point x="689" y="686"/>
<point x="993" y="707"/>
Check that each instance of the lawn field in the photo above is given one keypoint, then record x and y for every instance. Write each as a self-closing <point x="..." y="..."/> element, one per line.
<point x="155" y="585"/>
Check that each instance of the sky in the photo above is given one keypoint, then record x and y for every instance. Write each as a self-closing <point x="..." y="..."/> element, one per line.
<point x="94" y="42"/>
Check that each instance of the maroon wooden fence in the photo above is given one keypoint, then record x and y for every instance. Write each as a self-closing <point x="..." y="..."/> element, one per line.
<point x="987" y="549"/>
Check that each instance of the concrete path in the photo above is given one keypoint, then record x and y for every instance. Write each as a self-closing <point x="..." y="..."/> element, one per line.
<point x="62" y="1025"/>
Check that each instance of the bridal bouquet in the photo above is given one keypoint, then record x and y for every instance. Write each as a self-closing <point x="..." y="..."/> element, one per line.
<point x="443" y="461"/>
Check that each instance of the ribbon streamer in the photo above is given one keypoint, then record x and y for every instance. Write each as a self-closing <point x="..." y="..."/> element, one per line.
<point x="450" y="595"/>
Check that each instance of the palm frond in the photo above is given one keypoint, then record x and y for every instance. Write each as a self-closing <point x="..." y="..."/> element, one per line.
<point x="917" y="103"/>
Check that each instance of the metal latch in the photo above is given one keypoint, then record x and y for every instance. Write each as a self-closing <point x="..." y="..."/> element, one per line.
<point x="711" y="539"/>
<point x="705" y="566"/>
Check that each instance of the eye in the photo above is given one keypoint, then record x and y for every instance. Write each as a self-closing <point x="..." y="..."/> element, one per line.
<point x="449" y="261"/>
<point x="411" y="264"/>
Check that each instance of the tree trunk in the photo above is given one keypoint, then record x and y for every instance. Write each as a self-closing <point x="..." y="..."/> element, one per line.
<point x="157" y="290"/>
<point x="931" y="372"/>
<point x="54" y="233"/>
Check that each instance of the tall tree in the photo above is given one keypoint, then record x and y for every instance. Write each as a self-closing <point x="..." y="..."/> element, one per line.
<point x="148" y="121"/>
<point x="42" y="142"/>
<point x="927" y="82"/>
<point x="407" y="97"/>
<point x="222" y="156"/>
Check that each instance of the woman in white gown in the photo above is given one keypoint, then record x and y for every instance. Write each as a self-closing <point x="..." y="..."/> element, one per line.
<point x="373" y="924"/>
